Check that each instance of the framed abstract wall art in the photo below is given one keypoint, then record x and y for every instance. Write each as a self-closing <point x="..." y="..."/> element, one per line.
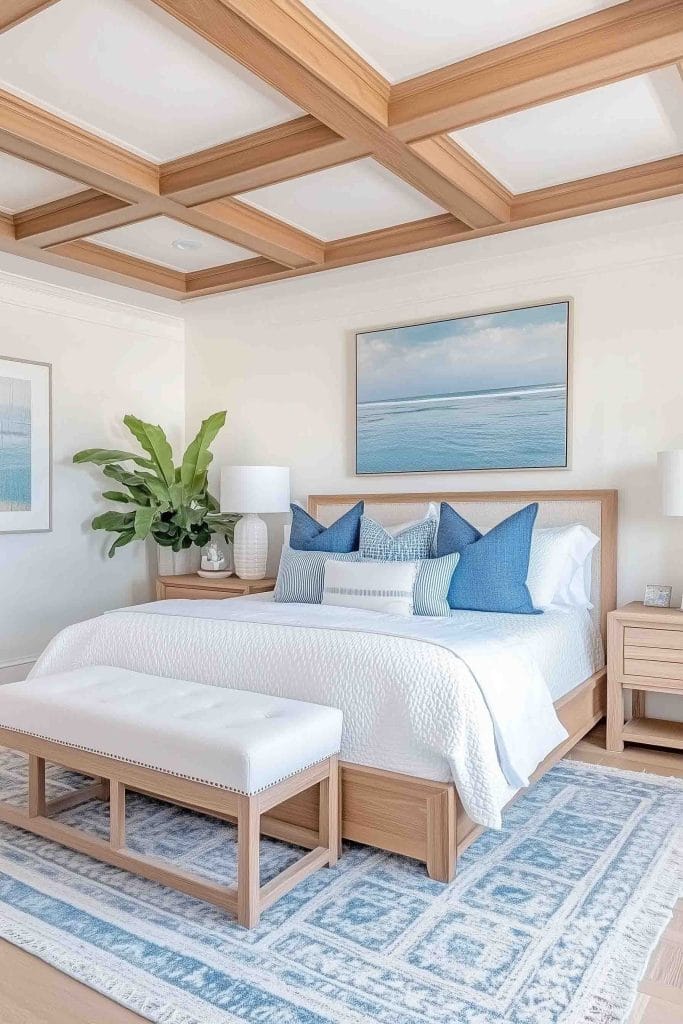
<point x="481" y="392"/>
<point x="25" y="446"/>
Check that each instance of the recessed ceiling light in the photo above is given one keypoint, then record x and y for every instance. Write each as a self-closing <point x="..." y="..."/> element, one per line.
<point x="186" y="244"/>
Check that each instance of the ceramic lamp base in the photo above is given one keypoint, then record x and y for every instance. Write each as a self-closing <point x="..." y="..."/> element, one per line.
<point x="250" y="547"/>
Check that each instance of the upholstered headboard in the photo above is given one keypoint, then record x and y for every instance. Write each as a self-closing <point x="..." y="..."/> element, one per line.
<point x="595" y="509"/>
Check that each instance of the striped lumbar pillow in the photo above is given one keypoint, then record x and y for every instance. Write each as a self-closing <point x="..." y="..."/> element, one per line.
<point x="301" y="578"/>
<point x="301" y="574"/>
<point x="432" y="585"/>
<point x="376" y="586"/>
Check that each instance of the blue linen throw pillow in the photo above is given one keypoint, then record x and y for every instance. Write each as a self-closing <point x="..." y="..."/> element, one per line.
<point x="307" y="534"/>
<point x="492" y="571"/>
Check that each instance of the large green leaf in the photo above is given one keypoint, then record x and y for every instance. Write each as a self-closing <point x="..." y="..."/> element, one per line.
<point x="153" y="440"/>
<point x="133" y="481"/>
<point x="198" y="457"/>
<point x="124" y="538"/>
<point x="124" y="499"/>
<point x="114" y="521"/>
<point x="144" y="518"/>
<point x="102" y="456"/>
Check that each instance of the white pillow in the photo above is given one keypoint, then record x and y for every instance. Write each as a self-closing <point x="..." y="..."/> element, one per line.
<point x="377" y="586"/>
<point x="432" y="513"/>
<point x="560" y="566"/>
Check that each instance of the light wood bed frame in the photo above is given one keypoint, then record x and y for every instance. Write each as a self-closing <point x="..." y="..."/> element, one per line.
<point x="400" y="813"/>
<point x="417" y="817"/>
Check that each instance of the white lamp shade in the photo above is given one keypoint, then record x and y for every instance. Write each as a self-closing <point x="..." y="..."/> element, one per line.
<point x="671" y="479"/>
<point x="257" y="489"/>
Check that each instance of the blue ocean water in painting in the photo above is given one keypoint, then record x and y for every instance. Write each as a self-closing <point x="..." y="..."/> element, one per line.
<point x="501" y="428"/>
<point x="15" y="445"/>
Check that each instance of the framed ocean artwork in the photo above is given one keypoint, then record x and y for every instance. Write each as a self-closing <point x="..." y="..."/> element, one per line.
<point x="481" y="392"/>
<point x="25" y="446"/>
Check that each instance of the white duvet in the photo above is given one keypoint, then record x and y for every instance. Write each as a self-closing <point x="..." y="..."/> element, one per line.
<point x="463" y="698"/>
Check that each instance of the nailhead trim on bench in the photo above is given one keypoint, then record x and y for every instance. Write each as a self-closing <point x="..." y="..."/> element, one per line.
<point x="166" y="771"/>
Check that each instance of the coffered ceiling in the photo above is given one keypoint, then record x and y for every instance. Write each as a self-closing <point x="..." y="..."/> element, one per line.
<point x="189" y="148"/>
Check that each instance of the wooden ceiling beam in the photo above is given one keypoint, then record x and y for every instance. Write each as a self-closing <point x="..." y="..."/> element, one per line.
<point x="33" y="134"/>
<point x="12" y="12"/>
<point x="263" y="158"/>
<point x="262" y="233"/>
<point x="118" y="266"/>
<point x="602" y="192"/>
<point x="485" y="200"/>
<point x="73" y="217"/>
<point x="124" y="190"/>
<point x="639" y="184"/>
<point x="6" y="225"/>
<point x="283" y="43"/>
<point x="629" y="39"/>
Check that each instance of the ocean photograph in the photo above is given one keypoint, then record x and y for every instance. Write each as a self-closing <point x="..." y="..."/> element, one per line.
<point x="15" y="445"/>
<point x="472" y="393"/>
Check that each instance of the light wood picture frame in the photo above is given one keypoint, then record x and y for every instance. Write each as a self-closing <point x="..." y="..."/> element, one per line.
<point x="25" y="446"/>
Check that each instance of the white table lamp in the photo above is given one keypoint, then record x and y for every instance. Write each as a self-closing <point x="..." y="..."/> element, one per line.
<point x="249" y="490"/>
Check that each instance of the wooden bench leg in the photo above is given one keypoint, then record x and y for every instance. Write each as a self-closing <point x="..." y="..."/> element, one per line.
<point x="36" y="786"/>
<point x="248" y="862"/>
<point x="328" y="820"/>
<point x="117" y="815"/>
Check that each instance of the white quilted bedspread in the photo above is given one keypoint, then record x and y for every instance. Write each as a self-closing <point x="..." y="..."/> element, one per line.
<point x="410" y="705"/>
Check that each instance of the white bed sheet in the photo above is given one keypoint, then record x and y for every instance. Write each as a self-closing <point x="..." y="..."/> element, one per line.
<point x="408" y="706"/>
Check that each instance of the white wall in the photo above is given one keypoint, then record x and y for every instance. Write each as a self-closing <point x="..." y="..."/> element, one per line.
<point x="280" y="358"/>
<point x="107" y="358"/>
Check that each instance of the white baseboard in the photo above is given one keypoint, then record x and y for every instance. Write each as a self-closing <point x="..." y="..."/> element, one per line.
<point x="15" y="671"/>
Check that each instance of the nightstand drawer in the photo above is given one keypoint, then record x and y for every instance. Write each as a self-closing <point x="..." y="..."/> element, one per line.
<point x="660" y="639"/>
<point x="194" y="594"/>
<point x="654" y="669"/>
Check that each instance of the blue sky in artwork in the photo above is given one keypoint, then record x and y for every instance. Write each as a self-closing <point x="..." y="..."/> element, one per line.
<point x="494" y="350"/>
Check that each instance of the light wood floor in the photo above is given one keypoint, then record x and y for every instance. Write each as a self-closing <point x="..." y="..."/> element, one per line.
<point x="31" y="992"/>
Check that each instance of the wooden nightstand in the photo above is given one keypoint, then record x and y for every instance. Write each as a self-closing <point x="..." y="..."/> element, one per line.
<point x="196" y="587"/>
<point x="644" y="655"/>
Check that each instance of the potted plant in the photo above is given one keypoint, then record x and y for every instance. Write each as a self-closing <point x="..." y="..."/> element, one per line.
<point x="172" y="504"/>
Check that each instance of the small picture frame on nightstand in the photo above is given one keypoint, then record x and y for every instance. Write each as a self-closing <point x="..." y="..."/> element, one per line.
<point x="657" y="597"/>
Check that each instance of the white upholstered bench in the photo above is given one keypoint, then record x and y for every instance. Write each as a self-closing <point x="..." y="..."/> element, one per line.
<point x="230" y="753"/>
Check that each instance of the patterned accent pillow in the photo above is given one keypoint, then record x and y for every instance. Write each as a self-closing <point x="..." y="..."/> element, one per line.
<point x="433" y="582"/>
<point x="376" y="586"/>
<point x="301" y="574"/>
<point x="410" y="545"/>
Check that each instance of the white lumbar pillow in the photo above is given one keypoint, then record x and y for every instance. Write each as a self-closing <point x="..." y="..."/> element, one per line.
<point x="376" y="586"/>
<point x="559" y="566"/>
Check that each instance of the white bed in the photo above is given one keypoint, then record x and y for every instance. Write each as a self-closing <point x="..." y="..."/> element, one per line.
<point x="410" y="704"/>
<point x="430" y="700"/>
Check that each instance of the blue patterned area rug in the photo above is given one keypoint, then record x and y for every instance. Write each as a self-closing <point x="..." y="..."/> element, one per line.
<point x="550" y="921"/>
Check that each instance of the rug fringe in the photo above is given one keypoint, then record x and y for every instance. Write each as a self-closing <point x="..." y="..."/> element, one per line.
<point x="638" y="940"/>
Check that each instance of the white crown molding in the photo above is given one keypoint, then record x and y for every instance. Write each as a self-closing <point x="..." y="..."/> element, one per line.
<point x="30" y="293"/>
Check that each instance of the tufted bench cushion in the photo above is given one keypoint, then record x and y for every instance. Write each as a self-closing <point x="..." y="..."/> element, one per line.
<point x="234" y="739"/>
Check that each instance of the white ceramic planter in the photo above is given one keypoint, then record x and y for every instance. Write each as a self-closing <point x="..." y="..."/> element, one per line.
<point x="178" y="563"/>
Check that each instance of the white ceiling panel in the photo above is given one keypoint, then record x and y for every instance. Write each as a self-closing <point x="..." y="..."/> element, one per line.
<point x="23" y="185"/>
<point x="620" y="125"/>
<point x="127" y="71"/>
<point x="403" y="38"/>
<point x="346" y="200"/>
<point x="153" y="239"/>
